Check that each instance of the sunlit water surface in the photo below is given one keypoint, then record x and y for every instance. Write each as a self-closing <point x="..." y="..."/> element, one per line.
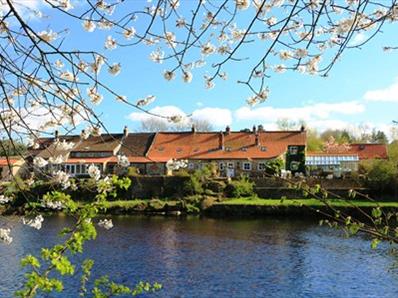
<point x="193" y="257"/>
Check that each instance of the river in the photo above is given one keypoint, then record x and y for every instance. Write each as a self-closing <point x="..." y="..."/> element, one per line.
<point x="203" y="257"/>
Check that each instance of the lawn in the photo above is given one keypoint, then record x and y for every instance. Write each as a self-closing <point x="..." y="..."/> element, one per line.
<point x="306" y="202"/>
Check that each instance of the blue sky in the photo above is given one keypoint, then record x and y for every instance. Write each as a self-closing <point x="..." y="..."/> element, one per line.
<point x="361" y="89"/>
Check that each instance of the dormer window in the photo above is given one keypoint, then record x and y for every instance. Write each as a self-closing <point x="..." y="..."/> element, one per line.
<point x="228" y="149"/>
<point x="293" y="150"/>
<point x="243" y="149"/>
<point x="263" y="148"/>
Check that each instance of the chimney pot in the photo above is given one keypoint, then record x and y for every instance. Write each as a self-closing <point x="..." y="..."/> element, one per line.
<point x="221" y="140"/>
<point x="254" y="129"/>
<point x="56" y="134"/>
<point x="227" y="129"/>
<point x="193" y="129"/>
<point x="302" y="128"/>
<point x="125" y="131"/>
<point x="257" y="140"/>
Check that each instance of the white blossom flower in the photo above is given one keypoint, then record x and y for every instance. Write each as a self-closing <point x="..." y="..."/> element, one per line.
<point x="175" y="118"/>
<point x="271" y="21"/>
<point x="129" y="33"/>
<point x="68" y="76"/>
<point x="123" y="161"/>
<point x="209" y="84"/>
<point x="181" y="23"/>
<point x="168" y="75"/>
<point x="94" y="172"/>
<point x="170" y="39"/>
<point x="62" y="178"/>
<point x="57" y="160"/>
<point x="187" y="76"/>
<point x="207" y="49"/>
<point x="301" y="53"/>
<point x="146" y="101"/>
<point x="157" y="56"/>
<point x="64" y="145"/>
<point x="96" y="66"/>
<point x="105" y="24"/>
<point x="63" y="4"/>
<point x="110" y="43"/>
<point x="95" y="97"/>
<point x="54" y="205"/>
<point x="4" y="199"/>
<point x="105" y="223"/>
<point x="114" y="69"/>
<point x="48" y="36"/>
<point x="59" y="64"/>
<point x="34" y="222"/>
<point x="176" y="164"/>
<point x="284" y="55"/>
<point x="280" y="68"/>
<point x="242" y="4"/>
<point x="39" y="162"/>
<point x="89" y="25"/>
<point x="5" y="236"/>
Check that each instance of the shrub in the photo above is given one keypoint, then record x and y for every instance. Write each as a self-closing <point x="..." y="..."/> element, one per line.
<point x="274" y="166"/>
<point x="381" y="175"/>
<point x="215" y="186"/>
<point x="192" y="186"/>
<point x="240" y="188"/>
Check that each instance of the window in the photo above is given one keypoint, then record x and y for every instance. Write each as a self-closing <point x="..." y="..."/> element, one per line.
<point x="261" y="166"/>
<point x="221" y="166"/>
<point x="243" y="149"/>
<point x="293" y="150"/>
<point x="77" y="169"/>
<point x="263" y="148"/>
<point x="247" y="166"/>
<point x="294" y="165"/>
<point x="230" y="165"/>
<point x="229" y="149"/>
<point x="191" y="165"/>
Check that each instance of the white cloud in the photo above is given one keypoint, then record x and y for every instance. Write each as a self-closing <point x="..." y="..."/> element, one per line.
<point x="306" y="113"/>
<point x="388" y="94"/>
<point x="217" y="117"/>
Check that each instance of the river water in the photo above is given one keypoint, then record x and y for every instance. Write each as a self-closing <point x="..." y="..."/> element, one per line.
<point x="203" y="257"/>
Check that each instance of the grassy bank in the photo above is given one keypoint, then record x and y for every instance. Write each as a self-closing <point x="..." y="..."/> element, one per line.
<point x="255" y="201"/>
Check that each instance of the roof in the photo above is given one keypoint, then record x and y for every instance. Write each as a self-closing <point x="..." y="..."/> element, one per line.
<point x="10" y="161"/>
<point x="222" y="145"/>
<point x="369" y="151"/>
<point x="52" y="148"/>
<point x="364" y="150"/>
<point x="136" y="144"/>
<point x="102" y="143"/>
<point x="87" y="160"/>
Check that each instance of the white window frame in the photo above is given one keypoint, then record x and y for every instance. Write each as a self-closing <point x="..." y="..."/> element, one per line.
<point x="221" y="166"/>
<point x="293" y="150"/>
<point x="244" y="166"/>
<point x="261" y="164"/>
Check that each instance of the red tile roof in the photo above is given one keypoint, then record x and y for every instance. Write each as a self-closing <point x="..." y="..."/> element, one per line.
<point x="364" y="151"/>
<point x="369" y="151"/>
<point x="6" y="162"/>
<point x="237" y="145"/>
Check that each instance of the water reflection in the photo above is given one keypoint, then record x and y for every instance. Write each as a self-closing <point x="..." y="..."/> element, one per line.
<point x="205" y="257"/>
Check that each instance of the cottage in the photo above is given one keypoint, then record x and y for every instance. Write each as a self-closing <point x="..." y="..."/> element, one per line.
<point x="234" y="152"/>
<point x="10" y="167"/>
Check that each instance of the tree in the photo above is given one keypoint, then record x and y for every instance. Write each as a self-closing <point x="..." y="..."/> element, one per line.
<point x="42" y="77"/>
<point x="12" y="148"/>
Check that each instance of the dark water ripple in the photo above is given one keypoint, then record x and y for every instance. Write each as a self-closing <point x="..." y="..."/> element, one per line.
<point x="195" y="257"/>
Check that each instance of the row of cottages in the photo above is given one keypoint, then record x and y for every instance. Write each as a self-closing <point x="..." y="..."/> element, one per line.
<point x="234" y="152"/>
<point x="342" y="160"/>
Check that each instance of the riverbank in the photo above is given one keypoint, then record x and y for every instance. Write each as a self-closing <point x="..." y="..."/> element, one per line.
<point x="219" y="207"/>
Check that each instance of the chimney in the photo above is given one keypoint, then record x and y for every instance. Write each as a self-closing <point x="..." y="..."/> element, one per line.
<point x="260" y="128"/>
<point x="125" y="131"/>
<point x="56" y="135"/>
<point x="221" y="140"/>
<point x="302" y="128"/>
<point x="193" y="129"/>
<point x="254" y="129"/>
<point x="257" y="140"/>
<point x="227" y="130"/>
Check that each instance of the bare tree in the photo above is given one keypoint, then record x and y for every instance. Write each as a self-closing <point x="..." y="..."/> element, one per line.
<point x="154" y="124"/>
